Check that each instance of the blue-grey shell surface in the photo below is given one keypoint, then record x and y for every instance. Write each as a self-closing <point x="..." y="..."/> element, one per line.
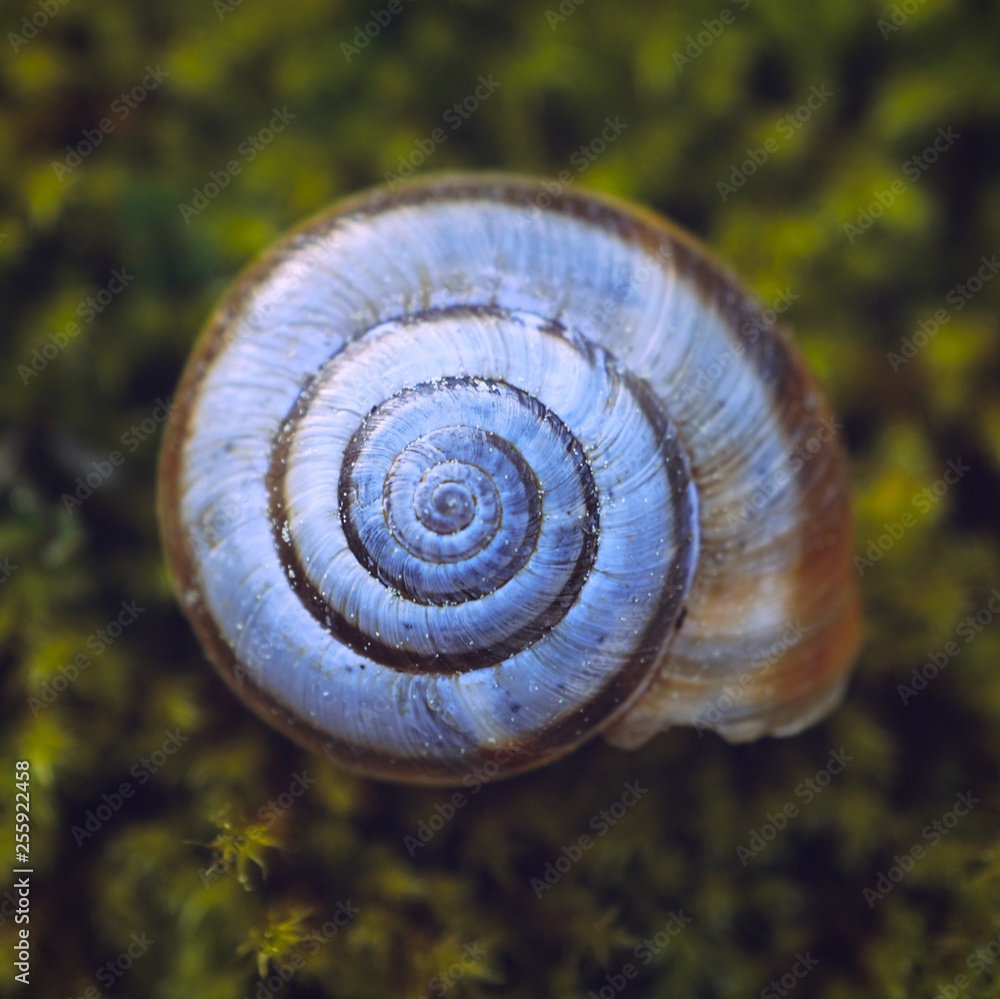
<point x="470" y="471"/>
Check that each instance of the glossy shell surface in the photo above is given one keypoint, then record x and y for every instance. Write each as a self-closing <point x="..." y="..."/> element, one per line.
<point x="466" y="471"/>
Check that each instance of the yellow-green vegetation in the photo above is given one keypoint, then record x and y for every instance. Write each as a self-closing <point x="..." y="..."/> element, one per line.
<point x="842" y="156"/>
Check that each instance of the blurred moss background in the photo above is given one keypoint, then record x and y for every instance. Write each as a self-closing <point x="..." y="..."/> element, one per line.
<point x="187" y="87"/>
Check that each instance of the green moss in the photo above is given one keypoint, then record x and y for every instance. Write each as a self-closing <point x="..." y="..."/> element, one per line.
<point x="458" y="913"/>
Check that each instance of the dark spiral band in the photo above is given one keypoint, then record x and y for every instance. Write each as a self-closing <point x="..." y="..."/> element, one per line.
<point x="473" y="529"/>
<point x="459" y="500"/>
<point x="451" y="523"/>
<point x="429" y="490"/>
<point x="451" y="439"/>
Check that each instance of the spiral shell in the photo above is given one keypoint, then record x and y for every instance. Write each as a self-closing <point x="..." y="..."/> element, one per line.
<point x="468" y="469"/>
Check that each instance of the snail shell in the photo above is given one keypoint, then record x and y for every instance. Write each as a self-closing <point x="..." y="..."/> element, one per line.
<point x="468" y="472"/>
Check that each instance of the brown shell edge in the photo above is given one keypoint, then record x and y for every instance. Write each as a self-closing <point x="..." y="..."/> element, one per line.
<point x="716" y="285"/>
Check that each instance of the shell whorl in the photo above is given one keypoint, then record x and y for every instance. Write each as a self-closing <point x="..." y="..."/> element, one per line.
<point x="448" y="474"/>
